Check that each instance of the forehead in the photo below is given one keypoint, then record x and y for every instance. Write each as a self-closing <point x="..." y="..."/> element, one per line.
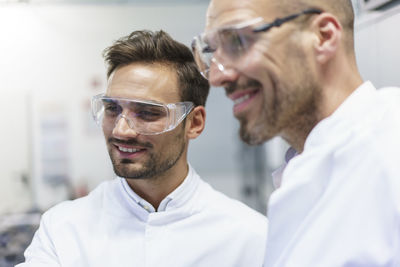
<point x="222" y="13"/>
<point x="155" y="82"/>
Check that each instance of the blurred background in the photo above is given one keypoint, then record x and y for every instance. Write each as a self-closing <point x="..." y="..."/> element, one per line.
<point x="50" y="67"/>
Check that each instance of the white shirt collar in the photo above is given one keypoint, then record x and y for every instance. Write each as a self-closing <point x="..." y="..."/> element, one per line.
<point x="278" y="173"/>
<point x="174" y="199"/>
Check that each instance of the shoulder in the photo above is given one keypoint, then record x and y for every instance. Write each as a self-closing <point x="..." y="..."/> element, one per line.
<point x="376" y="134"/>
<point x="81" y="208"/>
<point x="388" y="100"/>
<point x="389" y="91"/>
<point x="372" y="150"/>
<point x="383" y="134"/>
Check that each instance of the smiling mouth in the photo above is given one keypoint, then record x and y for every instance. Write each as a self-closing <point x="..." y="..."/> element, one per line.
<point x="129" y="150"/>
<point x="242" y="99"/>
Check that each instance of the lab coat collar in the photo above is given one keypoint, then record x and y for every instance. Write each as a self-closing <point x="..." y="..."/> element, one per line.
<point x="338" y="127"/>
<point x="175" y="199"/>
<point x="345" y="117"/>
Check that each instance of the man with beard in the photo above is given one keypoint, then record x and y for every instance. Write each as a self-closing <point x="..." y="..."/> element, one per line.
<point x="290" y="68"/>
<point x="157" y="212"/>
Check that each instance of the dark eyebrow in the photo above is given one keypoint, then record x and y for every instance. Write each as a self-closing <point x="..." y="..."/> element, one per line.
<point x="140" y="105"/>
<point x="133" y="101"/>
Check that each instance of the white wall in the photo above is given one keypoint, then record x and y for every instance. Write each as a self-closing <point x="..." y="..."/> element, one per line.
<point x="51" y="65"/>
<point x="377" y="46"/>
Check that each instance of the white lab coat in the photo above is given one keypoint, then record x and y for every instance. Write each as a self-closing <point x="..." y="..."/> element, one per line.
<point x="198" y="227"/>
<point x="339" y="201"/>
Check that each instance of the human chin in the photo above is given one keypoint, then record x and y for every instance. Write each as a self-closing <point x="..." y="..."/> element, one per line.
<point x="125" y="167"/>
<point x="257" y="130"/>
<point x="128" y="168"/>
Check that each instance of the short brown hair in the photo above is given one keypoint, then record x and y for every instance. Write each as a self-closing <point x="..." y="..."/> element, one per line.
<point x="159" y="48"/>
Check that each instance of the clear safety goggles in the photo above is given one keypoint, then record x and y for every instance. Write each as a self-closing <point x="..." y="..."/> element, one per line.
<point x="144" y="117"/>
<point x="225" y="47"/>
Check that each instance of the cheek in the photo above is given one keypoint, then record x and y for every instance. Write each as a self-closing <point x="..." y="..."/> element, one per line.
<point x="261" y="63"/>
<point x="106" y="133"/>
<point x="255" y="63"/>
<point x="299" y="69"/>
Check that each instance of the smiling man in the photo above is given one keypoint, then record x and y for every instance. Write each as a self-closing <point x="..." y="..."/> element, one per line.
<point x="158" y="211"/>
<point x="290" y="68"/>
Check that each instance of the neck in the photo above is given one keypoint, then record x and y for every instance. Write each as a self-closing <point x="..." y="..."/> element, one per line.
<point x="155" y="189"/>
<point x="339" y="86"/>
<point x="337" y="83"/>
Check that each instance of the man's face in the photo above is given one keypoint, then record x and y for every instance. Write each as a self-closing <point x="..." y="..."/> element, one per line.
<point x="273" y="84"/>
<point x="144" y="156"/>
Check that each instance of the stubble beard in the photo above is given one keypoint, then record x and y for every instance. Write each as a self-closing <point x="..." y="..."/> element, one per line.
<point x="260" y="132"/>
<point x="291" y="105"/>
<point x="291" y="109"/>
<point x="154" y="166"/>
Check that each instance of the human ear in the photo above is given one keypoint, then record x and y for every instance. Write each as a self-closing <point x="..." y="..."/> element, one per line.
<point x="196" y="122"/>
<point x="328" y="31"/>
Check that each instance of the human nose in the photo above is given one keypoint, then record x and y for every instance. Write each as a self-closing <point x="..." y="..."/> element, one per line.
<point x="123" y="129"/>
<point x="220" y="74"/>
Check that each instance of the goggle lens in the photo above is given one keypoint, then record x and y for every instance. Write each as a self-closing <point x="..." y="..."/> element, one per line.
<point x="223" y="47"/>
<point x="144" y="117"/>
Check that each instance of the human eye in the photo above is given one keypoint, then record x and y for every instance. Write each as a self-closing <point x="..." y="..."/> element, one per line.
<point x="209" y="45"/>
<point x="208" y="49"/>
<point x="231" y="41"/>
<point x="111" y="108"/>
<point x="237" y="41"/>
<point x="145" y="113"/>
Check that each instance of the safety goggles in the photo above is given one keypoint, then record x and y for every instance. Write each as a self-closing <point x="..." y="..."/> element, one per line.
<point x="233" y="42"/>
<point x="144" y="117"/>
